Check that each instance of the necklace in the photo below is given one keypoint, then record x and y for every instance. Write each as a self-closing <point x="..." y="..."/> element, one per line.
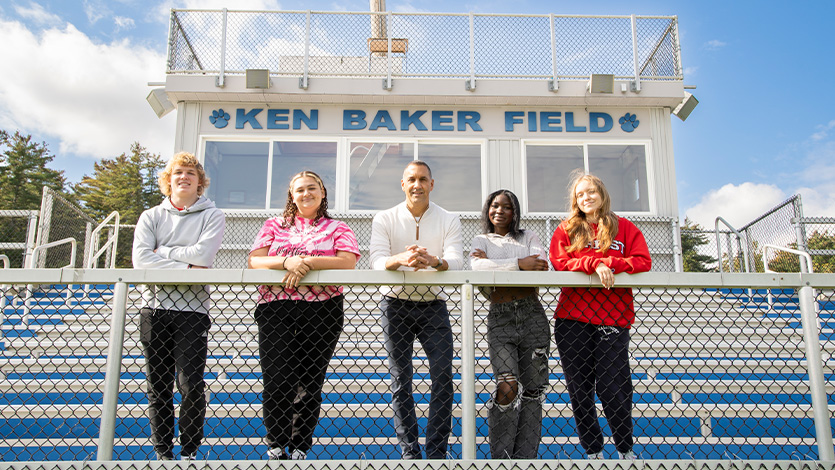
<point x="417" y="225"/>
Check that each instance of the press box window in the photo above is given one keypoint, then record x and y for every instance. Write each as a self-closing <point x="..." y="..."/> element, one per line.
<point x="238" y="174"/>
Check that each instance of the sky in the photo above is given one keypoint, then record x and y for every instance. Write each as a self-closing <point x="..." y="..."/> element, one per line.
<point x="75" y="75"/>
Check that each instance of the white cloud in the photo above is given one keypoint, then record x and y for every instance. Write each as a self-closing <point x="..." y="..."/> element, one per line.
<point x="36" y="13"/>
<point x="714" y="44"/>
<point x="95" y="10"/>
<point x="123" y="23"/>
<point x="823" y="131"/>
<point x="738" y="204"/>
<point x="90" y="97"/>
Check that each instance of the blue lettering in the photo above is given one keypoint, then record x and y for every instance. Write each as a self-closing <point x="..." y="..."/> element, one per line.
<point x="312" y="121"/>
<point x="548" y="121"/>
<point x="532" y="121"/>
<point x="470" y="118"/>
<point x="353" y="120"/>
<point x="442" y="121"/>
<point x="276" y="116"/>
<point x="594" y="122"/>
<point x="407" y="120"/>
<point x="243" y="118"/>
<point x="382" y="118"/>
<point x="511" y="118"/>
<point x="569" y="124"/>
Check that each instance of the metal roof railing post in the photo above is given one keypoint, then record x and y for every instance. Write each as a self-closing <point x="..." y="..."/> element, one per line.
<point x="554" y="85"/>
<point x="636" y="85"/>
<point x="470" y="85"/>
<point x="107" y="432"/>
<point x="306" y="72"/>
<point x="222" y="76"/>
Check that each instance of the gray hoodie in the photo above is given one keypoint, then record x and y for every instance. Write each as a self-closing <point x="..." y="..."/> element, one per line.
<point x="167" y="238"/>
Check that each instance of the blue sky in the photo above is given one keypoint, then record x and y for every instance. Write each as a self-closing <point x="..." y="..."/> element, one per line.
<point x="76" y="77"/>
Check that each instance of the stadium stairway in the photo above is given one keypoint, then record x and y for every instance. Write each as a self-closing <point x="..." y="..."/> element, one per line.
<point x="717" y="374"/>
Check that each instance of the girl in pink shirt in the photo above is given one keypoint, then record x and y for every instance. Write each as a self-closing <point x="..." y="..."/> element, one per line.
<point x="299" y="326"/>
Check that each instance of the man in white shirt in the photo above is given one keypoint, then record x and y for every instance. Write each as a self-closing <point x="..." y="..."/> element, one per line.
<point x="411" y="236"/>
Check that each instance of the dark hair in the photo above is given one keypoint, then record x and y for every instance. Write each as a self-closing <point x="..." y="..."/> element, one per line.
<point x="420" y="163"/>
<point x="514" y="230"/>
<point x="290" y="208"/>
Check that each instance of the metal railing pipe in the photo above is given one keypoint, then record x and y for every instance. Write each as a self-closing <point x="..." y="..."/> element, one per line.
<point x="637" y="83"/>
<point x="221" y="78"/>
<point x="468" y="413"/>
<point x="107" y="432"/>
<point x="814" y="366"/>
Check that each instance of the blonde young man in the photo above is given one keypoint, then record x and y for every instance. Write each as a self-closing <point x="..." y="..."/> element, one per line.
<point x="183" y="232"/>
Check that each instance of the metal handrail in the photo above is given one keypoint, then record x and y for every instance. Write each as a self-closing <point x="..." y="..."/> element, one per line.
<point x="112" y="241"/>
<point x="800" y="253"/>
<point x="739" y="242"/>
<point x="62" y="241"/>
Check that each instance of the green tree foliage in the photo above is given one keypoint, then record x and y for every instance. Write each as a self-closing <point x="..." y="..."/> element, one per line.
<point x="23" y="172"/>
<point x="127" y="184"/>
<point x="737" y="264"/>
<point x="785" y="262"/>
<point x="692" y="237"/>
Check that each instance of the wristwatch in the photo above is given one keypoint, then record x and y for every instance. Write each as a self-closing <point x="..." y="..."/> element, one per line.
<point x="440" y="263"/>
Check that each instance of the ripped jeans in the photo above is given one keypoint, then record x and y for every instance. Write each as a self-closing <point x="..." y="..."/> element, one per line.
<point x="519" y="338"/>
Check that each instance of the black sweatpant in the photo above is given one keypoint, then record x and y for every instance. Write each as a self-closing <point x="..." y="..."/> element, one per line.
<point x="597" y="358"/>
<point x="296" y="340"/>
<point x="175" y="344"/>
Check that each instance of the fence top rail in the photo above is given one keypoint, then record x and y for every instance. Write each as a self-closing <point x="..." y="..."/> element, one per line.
<point x="19" y="213"/>
<point x="393" y="13"/>
<point x="813" y="220"/>
<point x="447" y="278"/>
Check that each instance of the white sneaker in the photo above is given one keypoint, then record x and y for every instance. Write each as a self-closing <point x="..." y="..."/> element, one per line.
<point x="189" y="456"/>
<point x="628" y="455"/>
<point x="277" y="454"/>
<point x="597" y="456"/>
<point x="298" y="455"/>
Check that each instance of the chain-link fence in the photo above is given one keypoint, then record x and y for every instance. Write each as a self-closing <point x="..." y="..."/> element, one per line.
<point x="424" y="45"/>
<point x="60" y="220"/>
<point x="17" y="235"/>
<point x="242" y="227"/>
<point x="715" y="373"/>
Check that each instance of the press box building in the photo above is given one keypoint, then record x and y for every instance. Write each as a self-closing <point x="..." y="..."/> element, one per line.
<point x="488" y="101"/>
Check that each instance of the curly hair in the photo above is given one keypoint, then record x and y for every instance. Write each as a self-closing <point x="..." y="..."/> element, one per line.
<point x="290" y="209"/>
<point x="578" y="228"/>
<point x="182" y="159"/>
<point x="487" y="225"/>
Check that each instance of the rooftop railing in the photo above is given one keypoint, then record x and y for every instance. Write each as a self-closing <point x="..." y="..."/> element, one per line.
<point x="424" y="45"/>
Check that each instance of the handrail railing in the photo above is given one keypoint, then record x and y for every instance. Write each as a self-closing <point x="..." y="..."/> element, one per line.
<point x="27" y="301"/>
<point x="810" y="269"/>
<point x="112" y="242"/>
<point x="742" y="248"/>
<point x="465" y="280"/>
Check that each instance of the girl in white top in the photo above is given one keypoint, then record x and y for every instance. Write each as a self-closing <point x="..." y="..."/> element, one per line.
<point x="518" y="329"/>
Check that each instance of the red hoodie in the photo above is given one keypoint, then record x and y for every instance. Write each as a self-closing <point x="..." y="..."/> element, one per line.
<point x="628" y="254"/>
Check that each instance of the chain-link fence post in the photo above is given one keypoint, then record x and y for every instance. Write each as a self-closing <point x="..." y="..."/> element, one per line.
<point x="817" y="381"/>
<point x="678" y="254"/>
<point x="468" y="427"/>
<point x="107" y="431"/>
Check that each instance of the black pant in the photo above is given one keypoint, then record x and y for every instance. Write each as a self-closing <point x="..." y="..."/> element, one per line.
<point x="597" y="358"/>
<point x="296" y="340"/>
<point x="175" y="343"/>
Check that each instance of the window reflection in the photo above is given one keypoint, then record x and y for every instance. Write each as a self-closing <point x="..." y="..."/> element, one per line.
<point x="623" y="168"/>
<point x="376" y="171"/>
<point x="237" y="171"/>
<point x="549" y="170"/>
<point x="456" y="170"/>
<point x="290" y="158"/>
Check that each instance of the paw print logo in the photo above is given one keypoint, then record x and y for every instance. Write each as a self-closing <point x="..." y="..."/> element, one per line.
<point x="629" y="122"/>
<point x="220" y="118"/>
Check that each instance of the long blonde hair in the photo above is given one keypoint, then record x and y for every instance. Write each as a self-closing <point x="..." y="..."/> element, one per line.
<point x="579" y="230"/>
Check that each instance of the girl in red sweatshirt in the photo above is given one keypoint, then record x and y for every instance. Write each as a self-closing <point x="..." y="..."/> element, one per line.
<point x="592" y="324"/>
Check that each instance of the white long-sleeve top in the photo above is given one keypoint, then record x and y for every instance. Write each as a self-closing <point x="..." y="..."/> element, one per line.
<point x="503" y="253"/>
<point x="394" y="229"/>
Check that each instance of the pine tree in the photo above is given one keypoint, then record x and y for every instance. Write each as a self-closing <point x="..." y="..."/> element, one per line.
<point x="692" y="237"/>
<point x="23" y="172"/>
<point x="127" y="184"/>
